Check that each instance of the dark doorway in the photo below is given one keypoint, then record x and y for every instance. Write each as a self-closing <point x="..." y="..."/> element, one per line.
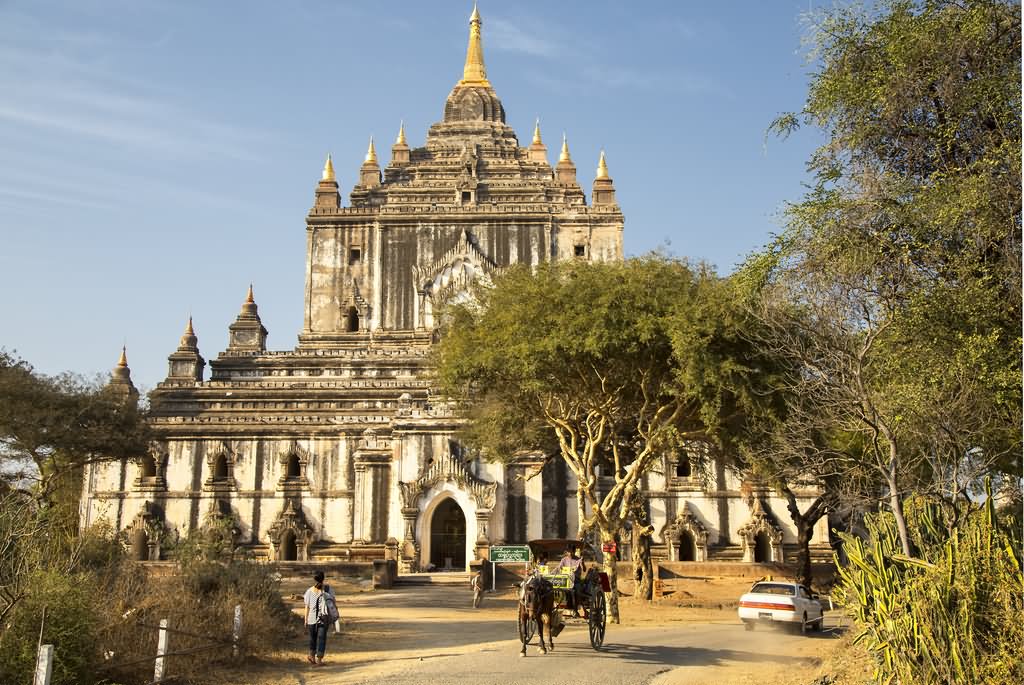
<point x="148" y="467"/>
<point x="288" y="549"/>
<point x="294" y="468"/>
<point x="687" y="547"/>
<point x="448" y="536"/>
<point x="352" y="320"/>
<point x="220" y="468"/>
<point x="140" y="545"/>
<point x="683" y="468"/>
<point x="762" y="548"/>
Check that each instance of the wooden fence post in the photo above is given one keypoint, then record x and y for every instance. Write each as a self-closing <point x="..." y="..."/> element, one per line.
<point x="161" y="649"/>
<point x="44" y="665"/>
<point x="236" y="630"/>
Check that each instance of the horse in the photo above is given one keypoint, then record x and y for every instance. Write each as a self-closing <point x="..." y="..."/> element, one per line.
<point x="537" y="600"/>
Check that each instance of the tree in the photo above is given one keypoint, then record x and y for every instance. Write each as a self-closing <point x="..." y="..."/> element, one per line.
<point x="573" y="360"/>
<point x="894" y="292"/>
<point x="50" y="428"/>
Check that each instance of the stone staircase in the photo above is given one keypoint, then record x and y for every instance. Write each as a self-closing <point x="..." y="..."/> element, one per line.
<point x="460" y="578"/>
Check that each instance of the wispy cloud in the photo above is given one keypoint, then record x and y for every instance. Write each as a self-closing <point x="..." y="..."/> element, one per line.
<point x="72" y="85"/>
<point x="502" y="34"/>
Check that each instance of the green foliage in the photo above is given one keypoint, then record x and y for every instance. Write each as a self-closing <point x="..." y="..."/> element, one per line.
<point x="51" y="427"/>
<point x="951" y="614"/>
<point x="70" y="624"/>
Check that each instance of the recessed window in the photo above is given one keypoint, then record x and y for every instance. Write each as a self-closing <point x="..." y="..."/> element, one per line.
<point x="683" y="468"/>
<point x="467" y="196"/>
<point x="580" y="250"/>
<point x="354" y="255"/>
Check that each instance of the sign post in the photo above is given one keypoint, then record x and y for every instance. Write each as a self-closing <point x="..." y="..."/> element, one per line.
<point x="507" y="554"/>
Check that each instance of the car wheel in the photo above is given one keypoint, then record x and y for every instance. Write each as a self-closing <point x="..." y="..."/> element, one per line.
<point x="748" y="625"/>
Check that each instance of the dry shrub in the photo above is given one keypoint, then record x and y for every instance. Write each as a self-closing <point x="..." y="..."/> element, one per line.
<point x="199" y="604"/>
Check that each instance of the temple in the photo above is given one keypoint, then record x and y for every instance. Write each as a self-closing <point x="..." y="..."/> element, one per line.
<point x="336" y="449"/>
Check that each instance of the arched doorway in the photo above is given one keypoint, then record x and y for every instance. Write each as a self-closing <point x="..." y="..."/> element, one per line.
<point x="762" y="548"/>
<point x="220" y="469"/>
<point x="687" y="546"/>
<point x="352" y="320"/>
<point x="448" y="536"/>
<point x="140" y="545"/>
<point x="294" y="469"/>
<point x="288" y="550"/>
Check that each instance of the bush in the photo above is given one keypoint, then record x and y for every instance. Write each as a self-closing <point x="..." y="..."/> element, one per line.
<point x="951" y="615"/>
<point x="70" y="623"/>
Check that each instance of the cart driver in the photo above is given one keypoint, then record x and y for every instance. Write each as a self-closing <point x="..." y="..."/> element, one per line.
<point x="573" y="564"/>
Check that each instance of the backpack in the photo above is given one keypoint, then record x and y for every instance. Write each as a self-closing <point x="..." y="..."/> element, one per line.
<point x="330" y="613"/>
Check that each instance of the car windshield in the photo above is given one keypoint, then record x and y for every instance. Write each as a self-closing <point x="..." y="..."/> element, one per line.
<point x="774" y="589"/>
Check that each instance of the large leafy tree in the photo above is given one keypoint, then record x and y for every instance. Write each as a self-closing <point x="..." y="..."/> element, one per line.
<point x="51" y="427"/>
<point x="600" y="365"/>
<point x="895" y="290"/>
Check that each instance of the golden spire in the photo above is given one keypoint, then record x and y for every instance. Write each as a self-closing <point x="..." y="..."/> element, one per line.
<point x="123" y="361"/>
<point x="328" y="174"/>
<point x="188" y="327"/>
<point x="401" y="134"/>
<point x="564" y="155"/>
<point x="371" y="153"/>
<point x="602" y="167"/>
<point x="474" y="73"/>
<point x="536" y="133"/>
<point x="248" y="298"/>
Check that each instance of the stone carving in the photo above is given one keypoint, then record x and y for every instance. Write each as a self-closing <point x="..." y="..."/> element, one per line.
<point x="293" y="454"/>
<point x="760" y="522"/>
<point x="446" y="277"/>
<point x="449" y="469"/>
<point x="147" y="533"/>
<point x="686" y="521"/>
<point x="221" y="464"/>
<point x="153" y="469"/>
<point x="291" y="520"/>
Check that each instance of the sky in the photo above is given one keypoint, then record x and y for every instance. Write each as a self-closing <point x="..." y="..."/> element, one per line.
<point x="158" y="156"/>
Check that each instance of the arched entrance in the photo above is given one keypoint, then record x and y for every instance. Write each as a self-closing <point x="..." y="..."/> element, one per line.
<point x="762" y="548"/>
<point x="140" y="545"/>
<point x="289" y="551"/>
<point x="448" y="536"/>
<point x="687" y="546"/>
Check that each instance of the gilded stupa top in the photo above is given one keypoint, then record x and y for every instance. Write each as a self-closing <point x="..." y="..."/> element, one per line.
<point x="474" y="73"/>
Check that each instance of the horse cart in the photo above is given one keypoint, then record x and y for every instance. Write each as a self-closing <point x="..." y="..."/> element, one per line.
<point x="557" y="593"/>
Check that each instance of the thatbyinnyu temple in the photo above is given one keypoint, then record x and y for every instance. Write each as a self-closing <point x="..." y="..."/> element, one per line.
<point x="335" y="450"/>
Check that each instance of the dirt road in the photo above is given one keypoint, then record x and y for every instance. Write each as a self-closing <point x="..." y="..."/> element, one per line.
<point x="431" y="635"/>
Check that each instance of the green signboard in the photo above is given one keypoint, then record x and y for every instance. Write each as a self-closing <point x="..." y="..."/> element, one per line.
<point x="506" y="554"/>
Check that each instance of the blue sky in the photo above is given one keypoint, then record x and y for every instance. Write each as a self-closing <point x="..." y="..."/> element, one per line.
<point x="156" y="157"/>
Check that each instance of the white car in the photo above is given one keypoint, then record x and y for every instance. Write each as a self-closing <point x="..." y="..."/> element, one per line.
<point x="780" y="602"/>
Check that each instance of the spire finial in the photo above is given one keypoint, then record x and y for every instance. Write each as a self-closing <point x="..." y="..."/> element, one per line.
<point x="123" y="361"/>
<point x="401" y="134"/>
<point x="536" y="133"/>
<point x="602" y="167"/>
<point x="188" y="327"/>
<point x="474" y="73"/>
<point x="249" y="298"/>
<point x="564" y="155"/>
<point x="328" y="174"/>
<point x="371" y="153"/>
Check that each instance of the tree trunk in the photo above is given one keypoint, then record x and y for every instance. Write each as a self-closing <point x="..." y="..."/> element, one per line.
<point x="643" y="569"/>
<point x="805" y="530"/>
<point x="613" y="578"/>
<point x="896" y="502"/>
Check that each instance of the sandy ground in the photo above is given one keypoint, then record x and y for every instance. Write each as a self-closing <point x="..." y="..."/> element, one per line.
<point x="384" y="630"/>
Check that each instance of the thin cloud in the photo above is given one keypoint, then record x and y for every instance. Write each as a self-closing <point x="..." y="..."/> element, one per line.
<point x="504" y="35"/>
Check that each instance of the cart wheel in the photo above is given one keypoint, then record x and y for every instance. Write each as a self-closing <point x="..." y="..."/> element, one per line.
<point x="526" y="626"/>
<point x="596" y="620"/>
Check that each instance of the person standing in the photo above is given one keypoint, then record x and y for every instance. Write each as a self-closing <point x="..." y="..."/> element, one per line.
<point x="477" y="583"/>
<point x="317" y="618"/>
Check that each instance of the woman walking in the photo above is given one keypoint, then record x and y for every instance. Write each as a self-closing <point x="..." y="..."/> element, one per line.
<point x="318" y="600"/>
